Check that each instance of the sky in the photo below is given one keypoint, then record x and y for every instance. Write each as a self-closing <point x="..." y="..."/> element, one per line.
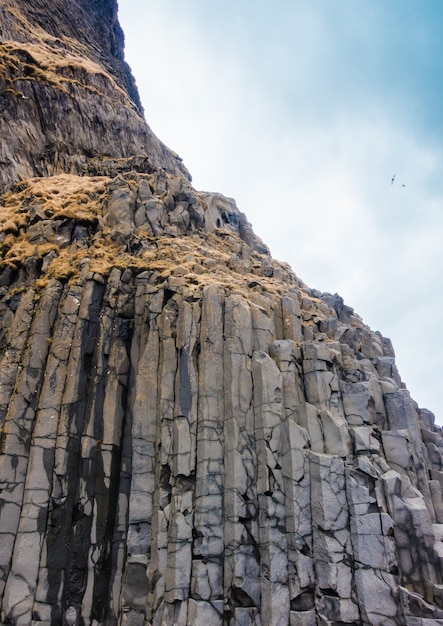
<point x="303" y="111"/>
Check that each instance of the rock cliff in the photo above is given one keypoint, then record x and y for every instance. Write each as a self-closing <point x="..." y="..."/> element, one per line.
<point x="189" y="434"/>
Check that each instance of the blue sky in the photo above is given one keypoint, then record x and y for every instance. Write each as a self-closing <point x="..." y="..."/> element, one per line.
<point x="303" y="110"/>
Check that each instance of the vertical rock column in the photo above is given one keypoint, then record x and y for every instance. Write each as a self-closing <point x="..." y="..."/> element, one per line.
<point x="16" y="438"/>
<point x="15" y="337"/>
<point x="270" y="490"/>
<point x="19" y="596"/>
<point x="184" y="436"/>
<point x="331" y="540"/>
<point x="164" y="481"/>
<point x="242" y="568"/>
<point x="206" y="603"/>
<point x="373" y="551"/>
<point x="101" y="450"/>
<point x="148" y="306"/>
<point x="63" y="570"/>
<point x="297" y="485"/>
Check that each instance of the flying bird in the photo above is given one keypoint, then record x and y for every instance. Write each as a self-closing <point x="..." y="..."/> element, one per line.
<point x="392" y="180"/>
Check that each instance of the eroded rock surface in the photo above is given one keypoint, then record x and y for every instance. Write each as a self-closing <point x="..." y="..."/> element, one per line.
<point x="189" y="435"/>
<point x="66" y="94"/>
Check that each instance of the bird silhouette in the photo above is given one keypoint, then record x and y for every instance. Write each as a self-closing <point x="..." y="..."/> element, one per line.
<point x="392" y="180"/>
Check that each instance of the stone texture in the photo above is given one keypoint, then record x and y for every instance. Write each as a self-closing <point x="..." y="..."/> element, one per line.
<point x="189" y="435"/>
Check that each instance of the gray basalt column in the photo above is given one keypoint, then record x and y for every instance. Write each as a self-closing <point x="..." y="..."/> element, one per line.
<point x="291" y="318"/>
<point x="373" y="551"/>
<point x="98" y="490"/>
<point x="19" y="596"/>
<point x="263" y="323"/>
<point x="418" y="561"/>
<point x="184" y="433"/>
<point x="242" y="567"/>
<point x="143" y="461"/>
<point x="206" y="604"/>
<point x="57" y="584"/>
<point x="321" y="381"/>
<point x="19" y="425"/>
<point x="270" y="490"/>
<point x="164" y="460"/>
<point x="403" y="418"/>
<point x="296" y="474"/>
<point x="331" y="540"/>
<point x="15" y="339"/>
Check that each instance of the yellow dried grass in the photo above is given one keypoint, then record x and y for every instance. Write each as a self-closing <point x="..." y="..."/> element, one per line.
<point x="196" y="259"/>
<point x="49" y="64"/>
<point x="60" y="197"/>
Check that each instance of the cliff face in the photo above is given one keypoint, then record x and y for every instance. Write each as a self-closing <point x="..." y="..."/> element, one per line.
<point x="189" y="434"/>
<point x="66" y="94"/>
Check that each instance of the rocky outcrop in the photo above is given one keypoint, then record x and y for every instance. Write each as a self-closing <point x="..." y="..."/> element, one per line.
<point x="66" y="94"/>
<point x="189" y="434"/>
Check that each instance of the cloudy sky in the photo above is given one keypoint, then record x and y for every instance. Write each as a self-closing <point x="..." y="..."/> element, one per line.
<point x="303" y="111"/>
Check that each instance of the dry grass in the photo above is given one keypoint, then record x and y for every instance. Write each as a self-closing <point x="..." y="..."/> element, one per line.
<point x="57" y="197"/>
<point x="15" y="251"/>
<point x="30" y="31"/>
<point x="201" y="260"/>
<point x="57" y="67"/>
<point x="196" y="259"/>
<point x="47" y="51"/>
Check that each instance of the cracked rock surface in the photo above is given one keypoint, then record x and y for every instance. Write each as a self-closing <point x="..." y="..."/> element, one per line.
<point x="189" y="435"/>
